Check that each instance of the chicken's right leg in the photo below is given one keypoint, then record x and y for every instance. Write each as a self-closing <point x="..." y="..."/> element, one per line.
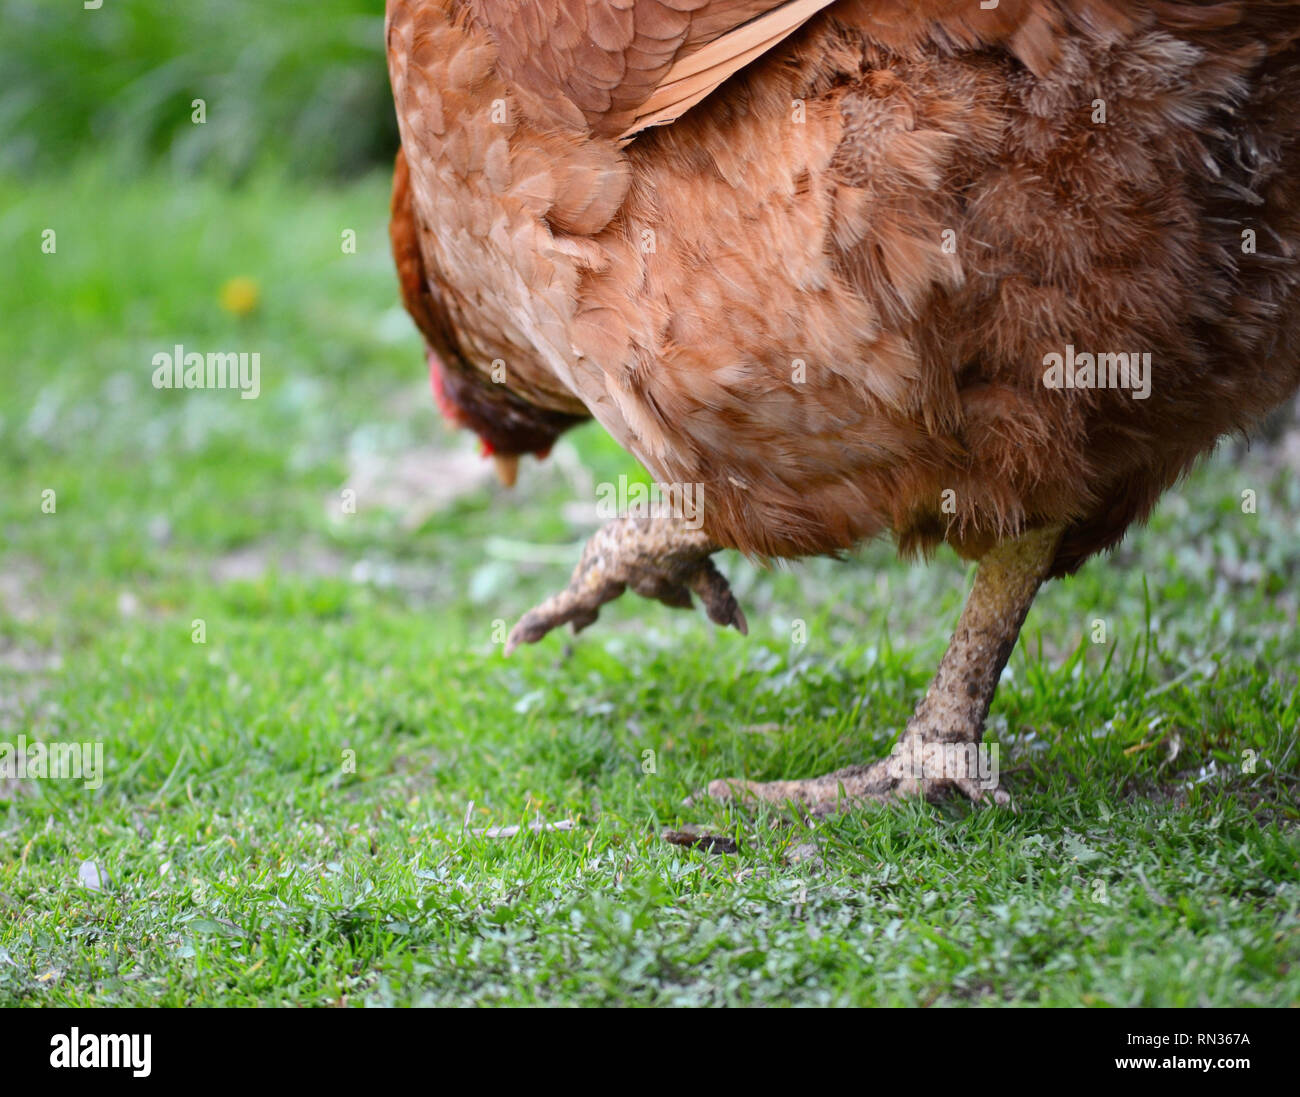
<point x="659" y="556"/>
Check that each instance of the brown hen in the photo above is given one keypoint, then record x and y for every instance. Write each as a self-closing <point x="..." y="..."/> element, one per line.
<point x="990" y="277"/>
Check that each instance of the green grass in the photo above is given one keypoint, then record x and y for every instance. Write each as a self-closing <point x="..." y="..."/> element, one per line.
<point x="283" y="815"/>
<point x="279" y="79"/>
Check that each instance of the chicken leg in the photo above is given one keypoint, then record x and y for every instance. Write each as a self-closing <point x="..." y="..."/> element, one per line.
<point x="939" y="748"/>
<point x="658" y="555"/>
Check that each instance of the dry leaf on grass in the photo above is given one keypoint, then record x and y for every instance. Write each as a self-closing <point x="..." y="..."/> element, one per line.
<point x="697" y="839"/>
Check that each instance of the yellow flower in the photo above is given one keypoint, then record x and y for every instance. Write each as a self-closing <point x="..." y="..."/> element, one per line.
<point x="240" y="296"/>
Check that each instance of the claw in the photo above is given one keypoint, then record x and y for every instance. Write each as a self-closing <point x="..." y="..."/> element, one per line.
<point x="658" y="557"/>
<point x="715" y="593"/>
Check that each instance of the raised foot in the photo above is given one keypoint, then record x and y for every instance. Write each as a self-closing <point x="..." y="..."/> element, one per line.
<point x="657" y="556"/>
<point x="914" y="768"/>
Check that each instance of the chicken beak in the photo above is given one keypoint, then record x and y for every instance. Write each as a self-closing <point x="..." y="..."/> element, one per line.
<point x="507" y="469"/>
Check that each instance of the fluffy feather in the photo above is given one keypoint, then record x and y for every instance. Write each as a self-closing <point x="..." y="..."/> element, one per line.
<point x="827" y="291"/>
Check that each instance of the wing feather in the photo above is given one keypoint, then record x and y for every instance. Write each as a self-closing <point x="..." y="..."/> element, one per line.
<point x="614" y="67"/>
<point x="697" y="74"/>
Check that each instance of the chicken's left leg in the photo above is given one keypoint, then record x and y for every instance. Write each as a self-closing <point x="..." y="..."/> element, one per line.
<point x="938" y="750"/>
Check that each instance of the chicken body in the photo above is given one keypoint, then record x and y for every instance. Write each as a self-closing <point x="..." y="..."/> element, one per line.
<point x="827" y="293"/>
<point x="831" y="291"/>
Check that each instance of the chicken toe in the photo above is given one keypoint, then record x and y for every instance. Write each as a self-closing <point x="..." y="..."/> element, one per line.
<point x="658" y="555"/>
<point x="914" y="768"/>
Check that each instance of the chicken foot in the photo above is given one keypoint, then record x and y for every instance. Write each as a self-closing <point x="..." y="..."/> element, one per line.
<point x="940" y="749"/>
<point x="658" y="555"/>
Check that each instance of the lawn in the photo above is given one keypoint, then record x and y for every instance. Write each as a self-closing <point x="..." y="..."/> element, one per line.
<point x="288" y="808"/>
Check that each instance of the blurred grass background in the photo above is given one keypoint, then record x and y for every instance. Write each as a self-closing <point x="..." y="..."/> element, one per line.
<point x="284" y="82"/>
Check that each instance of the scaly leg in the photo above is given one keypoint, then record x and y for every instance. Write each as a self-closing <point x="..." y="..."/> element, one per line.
<point x="938" y="750"/>
<point x="659" y="556"/>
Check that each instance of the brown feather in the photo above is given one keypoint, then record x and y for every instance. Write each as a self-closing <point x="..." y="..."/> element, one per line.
<point x="827" y="290"/>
